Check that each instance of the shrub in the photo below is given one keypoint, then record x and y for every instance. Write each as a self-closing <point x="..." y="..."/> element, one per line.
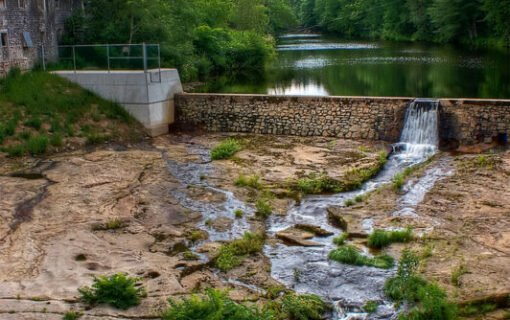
<point x="239" y="213"/>
<point x="370" y="307"/>
<point x="231" y="254"/>
<point x="70" y="315"/>
<point x="118" y="291"/>
<point x="225" y="150"/>
<point x="264" y="209"/>
<point x="37" y="145"/>
<point x="314" y="184"/>
<point x="427" y="301"/>
<point x="380" y="238"/>
<point x="216" y="305"/>
<point x="303" y="307"/>
<point x="252" y="181"/>
<point x="350" y="255"/>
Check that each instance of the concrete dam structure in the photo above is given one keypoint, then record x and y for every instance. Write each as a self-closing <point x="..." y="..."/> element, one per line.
<point x="156" y="99"/>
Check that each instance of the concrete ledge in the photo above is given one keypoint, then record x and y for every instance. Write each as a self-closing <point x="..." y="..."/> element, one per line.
<point x="142" y="94"/>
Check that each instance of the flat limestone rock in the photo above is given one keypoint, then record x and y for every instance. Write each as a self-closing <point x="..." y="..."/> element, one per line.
<point x="297" y="236"/>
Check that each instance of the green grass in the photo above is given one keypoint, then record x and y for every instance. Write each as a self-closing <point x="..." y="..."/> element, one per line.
<point x="216" y="305"/>
<point x="225" y="149"/>
<point x="340" y="240"/>
<point x="370" y="307"/>
<point x="426" y="300"/>
<point x="457" y="273"/>
<point x="351" y="255"/>
<point x="119" y="291"/>
<point x="39" y="100"/>
<point x="263" y="209"/>
<point x="238" y="213"/>
<point x="348" y="202"/>
<point x="252" y="181"/>
<point x="316" y="184"/>
<point x="380" y="238"/>
<point x="70" y="315"/>
<point x="232" y="254"/>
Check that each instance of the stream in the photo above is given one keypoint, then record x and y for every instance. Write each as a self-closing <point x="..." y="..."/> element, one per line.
<point x="347" y="287"/>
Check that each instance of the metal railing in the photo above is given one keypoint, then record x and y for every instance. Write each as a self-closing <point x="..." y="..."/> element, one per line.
<point x="108" y="57"/>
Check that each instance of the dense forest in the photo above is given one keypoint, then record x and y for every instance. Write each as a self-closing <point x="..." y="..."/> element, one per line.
<point x="230" y="37"/>
<point x="471" y="22"/>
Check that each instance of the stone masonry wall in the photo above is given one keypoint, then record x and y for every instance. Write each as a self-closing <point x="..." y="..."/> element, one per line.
<point x="464" y="121"/>
<point x="357" y="118"/>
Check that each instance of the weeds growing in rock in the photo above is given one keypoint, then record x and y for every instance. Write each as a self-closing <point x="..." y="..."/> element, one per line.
<point x="238" y="213"/>
<point x="232" y="254"/>
<point x="252" y="181"/>
<point x="380" y="238"/>
<point x="457" y="273"/>
<point x="70" y="315"/>
<point x="348" y="202"/>
<point x="340" y="240"/>
<point x="370" y="307"/>
<point x="225" y="149"/>
<point x="112" y="224"/>
<point x="264" y="209"/>
<point x="351" y="255"/>
<point x="427" y="301"/>
<point x="119" y="291"/>
<point x="316" y="184"/>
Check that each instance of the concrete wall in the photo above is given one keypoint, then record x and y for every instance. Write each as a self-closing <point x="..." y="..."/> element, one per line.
<point x="464" y="121"/>
<point x="149" y="101"/>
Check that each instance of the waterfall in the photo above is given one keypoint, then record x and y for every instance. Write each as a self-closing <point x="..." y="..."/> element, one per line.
<point x="419" y="138"/>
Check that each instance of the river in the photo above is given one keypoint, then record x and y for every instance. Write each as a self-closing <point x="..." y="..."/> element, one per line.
<point x="317" y="65"/>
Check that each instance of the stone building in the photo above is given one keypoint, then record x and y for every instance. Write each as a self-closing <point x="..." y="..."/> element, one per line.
<point x="27" y="25"/>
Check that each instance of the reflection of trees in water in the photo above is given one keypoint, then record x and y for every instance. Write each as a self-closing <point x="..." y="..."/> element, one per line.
<point x="392" y="70"/>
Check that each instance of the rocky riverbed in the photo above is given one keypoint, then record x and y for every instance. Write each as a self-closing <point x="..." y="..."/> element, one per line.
<point x="173" y="208"/>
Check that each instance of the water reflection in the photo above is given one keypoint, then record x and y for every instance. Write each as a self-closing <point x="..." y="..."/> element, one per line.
<point x="311" y="64"/>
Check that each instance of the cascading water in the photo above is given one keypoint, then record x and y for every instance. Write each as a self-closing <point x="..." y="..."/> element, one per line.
<point x="347" y="287"/>
<point x="419" y="138"/>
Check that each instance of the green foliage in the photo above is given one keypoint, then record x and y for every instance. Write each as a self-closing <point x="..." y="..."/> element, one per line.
<point x="427" y="300"/>
<point x="225" y="149"/>
<point x="316" y="184"/>
<point x="34" y="122"/>
<point x="399" y="178"/>
<point x="16" y="150"/>
<point x="71" y="315"/>
<point x="351" y="255"/>
<point x="118" y="291"/>
<point x="303" y="307"/>
<point x="112" y="224"/>
<point x="252" y="181"/>
<point x="56" y="140"/>
<point x="238" y="213"/>
<point x="340" y="240"/>
<point x="97" y="139"/>
<point x="25" y="134"/>
<point x="457" y="273"/>
<point x="37" y="145"/>
<point x="370" y="307"/>
<point x="348" y="202"/>
<point x="380" y="238"/>
<point x="263" y="209"/>
<point x="232" y="254"/>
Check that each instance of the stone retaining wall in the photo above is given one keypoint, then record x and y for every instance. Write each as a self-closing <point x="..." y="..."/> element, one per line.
<point x="466" y="121"/>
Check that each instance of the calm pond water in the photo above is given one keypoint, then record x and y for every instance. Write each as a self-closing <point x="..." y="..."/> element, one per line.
<point x="318" y="65"/>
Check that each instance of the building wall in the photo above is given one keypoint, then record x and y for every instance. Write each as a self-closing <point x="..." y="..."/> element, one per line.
<point x="43" y="19"/>
<point x="464" y="121"/>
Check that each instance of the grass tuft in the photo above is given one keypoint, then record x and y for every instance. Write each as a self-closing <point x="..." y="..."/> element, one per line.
<point x="380" y="238"/>
<point x="118" y="291"/>
<point x="351" y="255"/>
<point x="370" y="307"/>
<point x="264" y="209"/>
<point x="252" y="181"/>
<point x="232" y="254"/>
<point x="225" y="149"/>
<point x="70" y="315"/>
<point x="238" y="213"/>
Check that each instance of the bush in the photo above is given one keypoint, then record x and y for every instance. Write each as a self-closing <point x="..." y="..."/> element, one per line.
<point x="37" y="145"/>
<point x="225" y="150"/>
<point x="252" y="181"/>
<point x="303" y="307"/>
<point x="264" y="209"/>
<point x="216" y="305"/>
<point x="118" y="291"/>
<point x="350" y="255"/>
<point x="380" y="238"/>
<point x="427" y="301"/>
<point x="231" y="255"/>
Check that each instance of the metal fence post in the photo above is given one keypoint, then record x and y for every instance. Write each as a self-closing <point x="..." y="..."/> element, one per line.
<point x="144" y="57"/>
<point x="74" y="58"/>
<point x="108" y="56"/>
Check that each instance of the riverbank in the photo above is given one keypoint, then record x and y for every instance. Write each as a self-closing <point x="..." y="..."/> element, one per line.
<point x="56" y="212"/>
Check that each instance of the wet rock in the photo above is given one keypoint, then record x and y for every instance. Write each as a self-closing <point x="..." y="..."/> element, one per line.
<point x="318" y="231"/>
<point x="206" y="195"/>
<point x="221" y="224"/>
<point x="296" y="236"/>
<point x="336" y="219"/>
